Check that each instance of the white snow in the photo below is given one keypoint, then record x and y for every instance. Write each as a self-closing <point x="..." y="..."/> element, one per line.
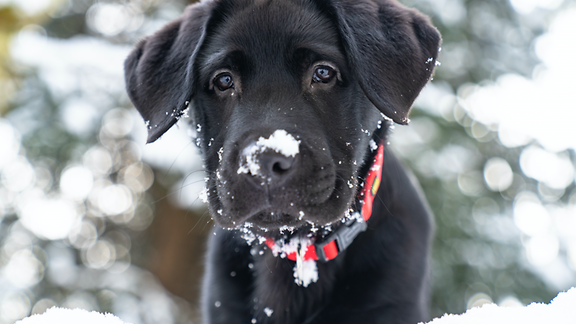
<point x="203" y="195"/>
<point x="248" y="235"/>
<point x="307" y="274"/>
<point x="282" y="248"/>
<point x="70" y="316"/>
<point x="269" y="311"/>
<point x="561" y="310"/>
<point x="280" y="141"/>
<point x="373" y="145"/>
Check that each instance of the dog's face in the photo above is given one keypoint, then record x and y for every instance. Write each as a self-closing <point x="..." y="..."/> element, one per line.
<point x="292" y="76"/>
<point x="286" y="95"/>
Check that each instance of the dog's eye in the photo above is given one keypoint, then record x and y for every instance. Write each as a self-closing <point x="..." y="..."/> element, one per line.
<point x="323" y="74"/>
<point x="223" y="81"/>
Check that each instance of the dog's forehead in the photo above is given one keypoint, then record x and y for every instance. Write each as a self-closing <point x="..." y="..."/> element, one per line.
<point x="272" y="27"/>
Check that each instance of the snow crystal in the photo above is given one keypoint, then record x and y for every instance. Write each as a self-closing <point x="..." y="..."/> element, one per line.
<point x="217" y="303"/>
<point x="373" y="145"/>
<point x="386" y="117"/>
<point x="203" y="195"/>
<point x="184" y="113"/>
<point x="220" y="153"/>
<point x="282" y="248"/>
<point x="269" y="311"/>
<point x="307" y="274"/>
<point x="248" y="235"/>
<point x="560" y="311"/>
<point x="285" y="228"/>
<point x="280" y="141"/>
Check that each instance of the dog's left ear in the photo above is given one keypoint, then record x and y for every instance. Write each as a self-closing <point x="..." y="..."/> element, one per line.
<point x="391" y="49"/>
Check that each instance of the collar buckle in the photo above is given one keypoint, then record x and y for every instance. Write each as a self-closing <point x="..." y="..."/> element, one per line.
<point x="343" y="236"/>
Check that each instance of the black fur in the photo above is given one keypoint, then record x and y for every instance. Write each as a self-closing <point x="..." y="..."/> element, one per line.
<point x="382" y="54"/>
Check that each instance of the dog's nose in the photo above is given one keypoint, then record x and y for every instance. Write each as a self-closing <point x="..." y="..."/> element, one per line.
<point x="270" y="158"/>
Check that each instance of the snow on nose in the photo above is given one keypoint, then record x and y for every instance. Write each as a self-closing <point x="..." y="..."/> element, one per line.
<point x="280" y="142"/>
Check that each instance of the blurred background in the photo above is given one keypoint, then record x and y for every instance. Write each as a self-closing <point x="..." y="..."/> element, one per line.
<point x="92" y="218"/>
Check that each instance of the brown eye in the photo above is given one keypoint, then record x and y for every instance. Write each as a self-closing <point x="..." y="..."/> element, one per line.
<point x="323" y="74"/>
<point x="223" y="81"/>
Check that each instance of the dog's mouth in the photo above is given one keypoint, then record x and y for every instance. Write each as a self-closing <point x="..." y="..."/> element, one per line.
<point x="271" y="213"/>
<point x="271" y="220"/>
<point x="317" y="200"/>
<point x="259" y="228"/>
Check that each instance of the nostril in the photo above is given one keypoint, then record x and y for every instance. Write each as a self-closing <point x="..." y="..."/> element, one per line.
<point x="275" y="164"/>
<point x="282" y="166"/>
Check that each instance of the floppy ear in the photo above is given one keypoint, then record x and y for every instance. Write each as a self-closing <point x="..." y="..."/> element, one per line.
<point x="159" y="71"/>
<point x="392" y="50"/>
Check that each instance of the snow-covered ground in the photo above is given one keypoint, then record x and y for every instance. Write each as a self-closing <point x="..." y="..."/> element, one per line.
<point x="71" y="316"/>
<point x="561" y="310"/>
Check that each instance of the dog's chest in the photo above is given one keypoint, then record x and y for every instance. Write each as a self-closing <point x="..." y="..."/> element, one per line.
<point x="279" y="299"/>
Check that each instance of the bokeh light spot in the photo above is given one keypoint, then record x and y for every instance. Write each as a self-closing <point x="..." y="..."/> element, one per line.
<point x="529" y="214"/>
<point x="76" y="182"/>
<point x="24" y="269"/>
<point x="108" y="19"/>
<point x="478" y="300"/>
<point x="100" y="255"/>
<point x="83" y="234"/>
<point x="114" y="199"/>
<point x="14" y="306"/>
<point x="555" y="170"/>
<point x="542" y="249"/>
<point x="18" y="175"/>
<point x="99" y="160"/>
<point x="50" y="219"/>
<point x="10" y="143"/>
<point x="498" y="174"/>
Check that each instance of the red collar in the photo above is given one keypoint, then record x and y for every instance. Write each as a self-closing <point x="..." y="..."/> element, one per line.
<point x="328" y="248"/>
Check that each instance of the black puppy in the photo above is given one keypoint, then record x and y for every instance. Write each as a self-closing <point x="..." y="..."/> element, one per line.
<point x="292" y="100"/>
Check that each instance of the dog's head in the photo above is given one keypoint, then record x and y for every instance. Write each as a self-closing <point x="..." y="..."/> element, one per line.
<point x="286" y="96"/>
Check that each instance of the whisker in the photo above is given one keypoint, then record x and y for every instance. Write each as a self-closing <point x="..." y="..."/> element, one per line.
<point x="199" y="219"/>
<point x="174" y="162"/>
<point x="177" y="191"/>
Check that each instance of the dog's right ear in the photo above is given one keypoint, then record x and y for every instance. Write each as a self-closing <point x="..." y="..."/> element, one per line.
<point x="159" y="71"/>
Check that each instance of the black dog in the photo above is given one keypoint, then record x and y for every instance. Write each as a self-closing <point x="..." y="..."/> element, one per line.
<point x="293" y="99"/>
